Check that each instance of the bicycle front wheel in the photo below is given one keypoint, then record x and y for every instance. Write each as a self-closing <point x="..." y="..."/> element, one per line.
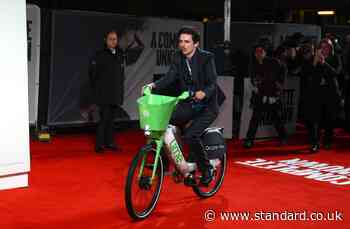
<point x="141" y="192"/>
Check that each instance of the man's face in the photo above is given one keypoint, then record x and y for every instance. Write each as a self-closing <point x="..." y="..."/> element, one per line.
<point x="260" y="53"/>
<point x="308" y="51"/>
<point x="326" y="49"/>
<point x="186" y="44"/>
<point x="112" y="40"/>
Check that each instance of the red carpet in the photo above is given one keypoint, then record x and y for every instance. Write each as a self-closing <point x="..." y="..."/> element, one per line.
<point x="72" y="187"/>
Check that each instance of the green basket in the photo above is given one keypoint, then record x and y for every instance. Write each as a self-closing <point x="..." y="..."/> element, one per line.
<point x="155" y="111"/>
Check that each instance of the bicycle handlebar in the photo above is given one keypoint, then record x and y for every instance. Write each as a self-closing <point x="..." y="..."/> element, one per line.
<point x="184" y="95"/>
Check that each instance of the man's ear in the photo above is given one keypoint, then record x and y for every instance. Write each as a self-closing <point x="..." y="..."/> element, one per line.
<point x="196" y="45"/>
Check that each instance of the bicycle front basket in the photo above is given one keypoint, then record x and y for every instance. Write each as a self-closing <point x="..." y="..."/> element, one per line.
<point x="155" y="111"/>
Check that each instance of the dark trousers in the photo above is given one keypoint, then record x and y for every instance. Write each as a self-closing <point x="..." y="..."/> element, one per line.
<point x="327" y="112"/>
<point x="104" y="133"/>
<point x="200" y="121"/>
<point x="347" y="105"/>
<point x="258" y="111"/>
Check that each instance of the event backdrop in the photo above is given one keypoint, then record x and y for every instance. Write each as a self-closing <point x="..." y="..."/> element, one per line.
<point x="148" y="44"/>
<point x="245" y="34"/>
<point x="33" y="42"/>
<point x="290" y="98"/>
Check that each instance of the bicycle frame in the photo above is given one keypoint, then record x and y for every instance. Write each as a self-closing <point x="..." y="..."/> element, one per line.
<point x="158" y="138"/>
<point x="155" y="115"/>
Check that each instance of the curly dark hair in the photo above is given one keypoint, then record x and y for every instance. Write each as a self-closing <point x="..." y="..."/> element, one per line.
<point x="191" y="31"/>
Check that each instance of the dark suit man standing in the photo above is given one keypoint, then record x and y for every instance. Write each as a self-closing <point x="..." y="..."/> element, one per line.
<point x="267" y="77"/>
<point x="107" y="82"/>
<point x="322" y="98"/>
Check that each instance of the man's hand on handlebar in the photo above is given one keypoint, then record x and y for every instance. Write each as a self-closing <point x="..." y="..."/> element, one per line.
<point x="199" y="95"/>
<point x="150" y="86"/>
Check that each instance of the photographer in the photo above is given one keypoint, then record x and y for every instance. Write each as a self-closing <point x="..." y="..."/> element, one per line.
<point x="267" y="77"/>
<point x="307" y="52"/>
<point x="293" y="57"/>
<point x="331" y="50"/>
<point x="321" y="97"/>
<point x="346" y="93"/>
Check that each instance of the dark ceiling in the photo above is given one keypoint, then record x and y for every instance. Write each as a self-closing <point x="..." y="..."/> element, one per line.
<point x="197" y="9"/>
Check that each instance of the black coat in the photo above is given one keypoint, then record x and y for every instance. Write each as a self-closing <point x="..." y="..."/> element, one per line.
<point x="268" y="77"/>
<point x="107" y="77"/>
<point x="204" y="79"/>
<point x="316" y="95"/>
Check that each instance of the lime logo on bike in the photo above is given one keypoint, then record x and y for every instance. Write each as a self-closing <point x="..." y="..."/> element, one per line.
<point x="176" y="151"/>
<point x="145" y="113"/>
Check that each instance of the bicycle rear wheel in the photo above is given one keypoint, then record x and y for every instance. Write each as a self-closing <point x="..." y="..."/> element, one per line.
<point x="141" y="195"/>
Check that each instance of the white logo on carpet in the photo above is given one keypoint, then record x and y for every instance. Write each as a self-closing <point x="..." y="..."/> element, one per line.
<point x="334" y="174"/>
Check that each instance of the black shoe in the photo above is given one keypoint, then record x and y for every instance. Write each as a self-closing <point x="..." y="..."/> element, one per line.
<point x="190" y="181"/>
<point x="99" y="149"/>
<point x="248" y="144"/>
<point x="315" y="148"/>
<point x="113" y="147"/>
<point x="207" y="177"/>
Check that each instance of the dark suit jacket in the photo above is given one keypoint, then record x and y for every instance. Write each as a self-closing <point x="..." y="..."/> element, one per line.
<point x="268" y="77"/>
<point x="203" y="79"/>
<point x="107" y="77"/>
<point x="314" y="93"/>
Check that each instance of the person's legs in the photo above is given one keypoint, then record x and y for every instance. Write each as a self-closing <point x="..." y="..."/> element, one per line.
<point x="192" y="137"/>
<point x="313" y="117"/>
<point x="314" y="130"/>
<point x="100" y="130"/>
<point x="329" y="122"/>
<point x="109" y="128"/>
<point x="314" y="133"/>
<point x="182" y="114"/>
<point x="276" y="113"/>
<point x="347" y="106"/>
<point x="253" y="125"/>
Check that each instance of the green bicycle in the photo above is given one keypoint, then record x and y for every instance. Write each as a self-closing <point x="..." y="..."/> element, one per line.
<point x="146" y="172"/>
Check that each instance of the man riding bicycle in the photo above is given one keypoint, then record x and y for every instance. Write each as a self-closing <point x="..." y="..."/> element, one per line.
<point x="193" y="70"/>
